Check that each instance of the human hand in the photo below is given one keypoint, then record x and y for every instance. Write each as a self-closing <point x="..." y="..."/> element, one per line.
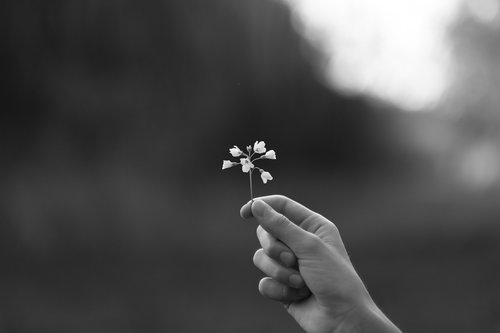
<point x="309" y="270"/>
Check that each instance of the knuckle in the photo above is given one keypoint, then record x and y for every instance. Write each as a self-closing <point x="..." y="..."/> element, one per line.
<point x="334" y="228"/>
<point x="281" y="197"/>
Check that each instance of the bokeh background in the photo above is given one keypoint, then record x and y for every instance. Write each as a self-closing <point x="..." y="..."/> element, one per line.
<point x="115" y="215"/>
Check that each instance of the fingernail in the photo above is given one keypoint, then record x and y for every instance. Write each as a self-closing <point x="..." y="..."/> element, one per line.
<point x="259" y="208"/>
<point x="296" y="280"/>
<point x="287" y="258"/>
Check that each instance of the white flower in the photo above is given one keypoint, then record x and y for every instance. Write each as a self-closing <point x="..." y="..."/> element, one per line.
<point x="265" y="176"/>
<point x="246" y="164"/>
<point x="270" y="155"/>
<point x="259" y="147"/>
<point x="227" y="164"/>
<point x="235" y="151"/>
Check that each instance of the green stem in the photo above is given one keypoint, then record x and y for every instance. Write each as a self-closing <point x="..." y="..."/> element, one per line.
<point x="251" y="188"/>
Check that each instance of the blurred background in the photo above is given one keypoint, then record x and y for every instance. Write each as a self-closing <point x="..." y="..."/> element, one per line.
<point x="115" y="215"/>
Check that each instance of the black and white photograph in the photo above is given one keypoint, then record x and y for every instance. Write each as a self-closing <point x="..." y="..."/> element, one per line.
<point x="298" y="166"/>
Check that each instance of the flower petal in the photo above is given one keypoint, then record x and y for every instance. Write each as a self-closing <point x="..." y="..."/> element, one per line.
<point x="271" y="154"/>
<point x="235" y="151"/>
<point x="246" y="165"/>
<point x="259" y="147"/>
<point x="265" y="176"/>
<point x="227" y="164"/>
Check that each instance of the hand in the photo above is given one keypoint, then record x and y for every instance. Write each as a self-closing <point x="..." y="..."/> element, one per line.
<point x="309" y="270"/>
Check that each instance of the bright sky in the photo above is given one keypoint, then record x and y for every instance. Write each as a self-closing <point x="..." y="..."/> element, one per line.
<point x="392" y="50"/>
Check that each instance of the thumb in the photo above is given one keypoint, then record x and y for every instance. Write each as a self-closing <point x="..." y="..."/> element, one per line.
<point x="280" y="226"/>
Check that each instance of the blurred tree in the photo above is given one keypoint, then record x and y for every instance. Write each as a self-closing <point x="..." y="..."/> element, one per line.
<point x="102" y="94"/>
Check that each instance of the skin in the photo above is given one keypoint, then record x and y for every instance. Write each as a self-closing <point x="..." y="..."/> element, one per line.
<point x="308" y="270"/>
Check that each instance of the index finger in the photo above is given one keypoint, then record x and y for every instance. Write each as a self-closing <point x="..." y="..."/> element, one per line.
<point x="294" y="211"/>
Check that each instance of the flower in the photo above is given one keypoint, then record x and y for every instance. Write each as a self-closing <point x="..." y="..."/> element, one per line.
<point x="270" y="155"/>
<point x="246" y="164"/>
<point x="227" y="164"/>
<point x="248" y="158"/>
<point x="235" y="151"/>
<point x="259" y="147"/>
<point x="265" y="176"/>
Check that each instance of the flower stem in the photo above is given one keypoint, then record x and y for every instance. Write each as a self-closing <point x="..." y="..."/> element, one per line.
<point x="251" y="188"/>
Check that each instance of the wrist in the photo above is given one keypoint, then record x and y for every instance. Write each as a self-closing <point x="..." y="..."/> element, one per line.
<point x="367" y="318"/>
